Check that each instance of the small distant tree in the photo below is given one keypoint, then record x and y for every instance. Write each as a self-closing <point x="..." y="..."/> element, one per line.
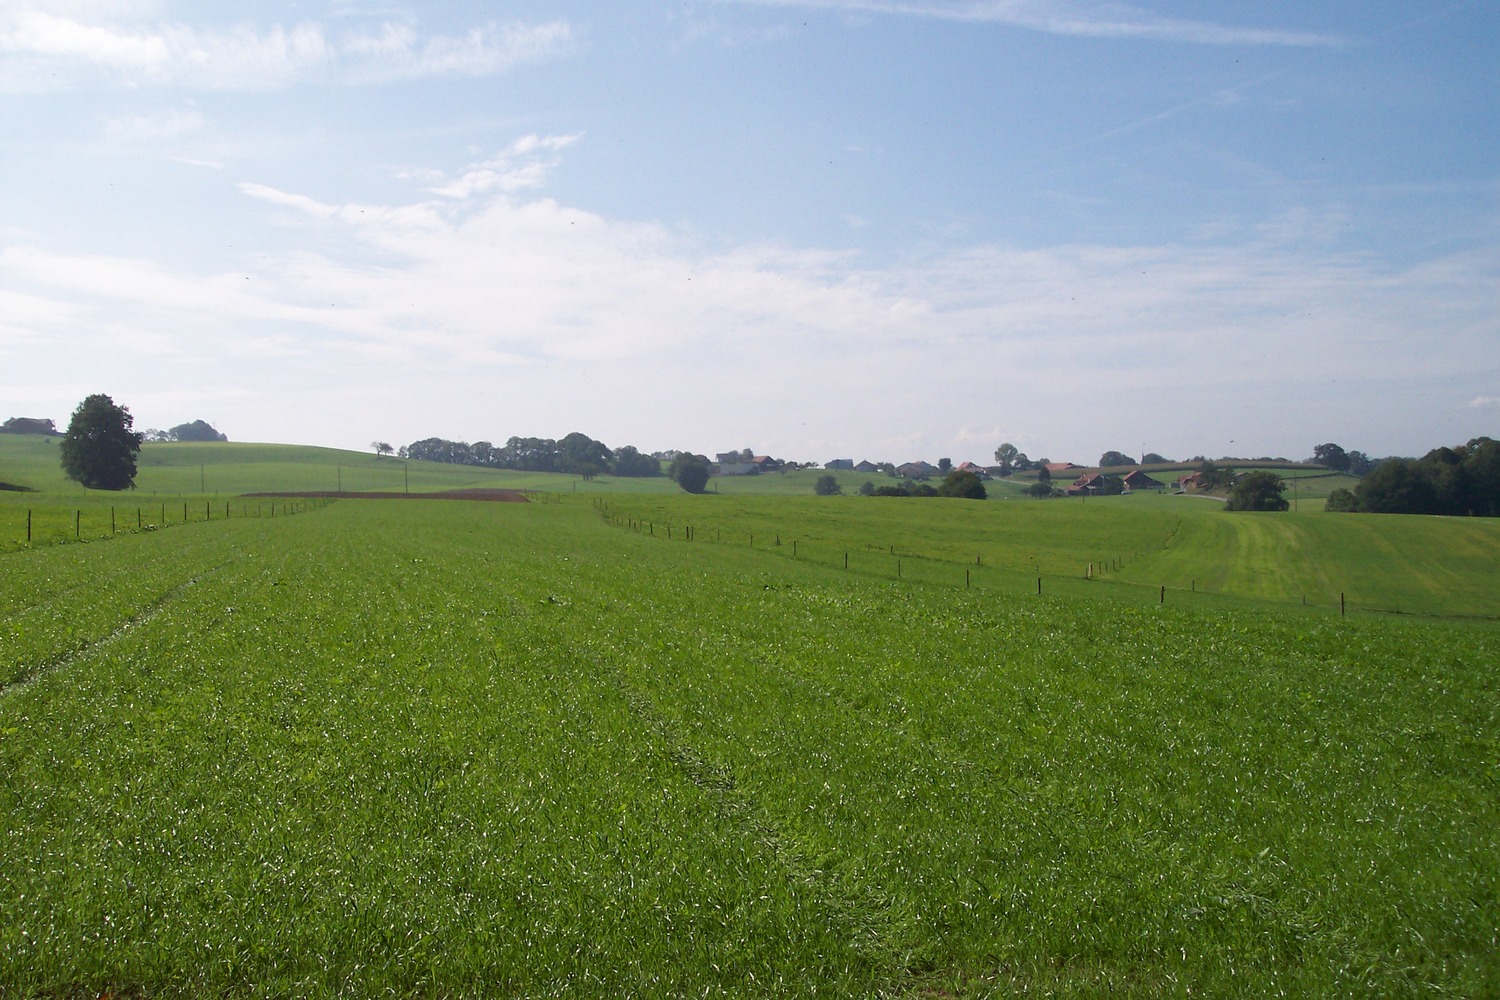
<point x="1259" y="490"/>
<point x="382" y="448"/>
<point x="963" y="484"/>
<point x="690" y="472"/>
<point x="1331" y="456"/>
<point x="1111" y="459"/>
<point x="1044" y="476"/>
<point x="945" y="465"/>
<point x="99" y="448"/>
<point x="827" y="486"/>
<point x="867" y="489"/>
<point x="1341" y="501"/>
<point x="1152" y="458"/>
<point x="197" y="430"/>
<point x="1039" y="489"/>
<point x="1006" y="456"/>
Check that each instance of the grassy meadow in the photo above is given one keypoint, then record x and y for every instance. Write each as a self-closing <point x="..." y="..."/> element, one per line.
<point x="575" y="749"/>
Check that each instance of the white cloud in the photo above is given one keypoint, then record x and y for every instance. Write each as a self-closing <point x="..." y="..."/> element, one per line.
<point x="503" y="312"/>
<point x="301" y="203"/>
<point x="512" y="170"/>
<point x="1485" y="403"/>
<point x="1065" y="17"/>
<point x="40" y="50"/>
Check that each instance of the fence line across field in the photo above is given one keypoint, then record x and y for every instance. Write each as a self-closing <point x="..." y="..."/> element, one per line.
<point x="1091" y="571"/>
<point x="39" y="520"/>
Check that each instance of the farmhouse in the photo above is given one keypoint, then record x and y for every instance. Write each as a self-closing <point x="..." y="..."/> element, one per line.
<point x="916" y="470"/>
<point x="1096" y="483"/>
<point x="1138" y="480"/>
<point x="866" y="465"/>
<point x="840" y="463"/>
<point x="734" y="463"/>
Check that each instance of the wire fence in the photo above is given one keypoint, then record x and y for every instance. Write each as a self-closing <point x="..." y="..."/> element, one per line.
<point x="61" y="524"/>
<point x="893" y="562"/>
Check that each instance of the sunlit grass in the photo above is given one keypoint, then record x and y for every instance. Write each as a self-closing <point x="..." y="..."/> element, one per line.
<point x="438" y="748"/>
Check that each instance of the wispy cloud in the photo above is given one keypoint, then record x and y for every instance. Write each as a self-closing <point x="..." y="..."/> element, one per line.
<point x="524" y="165"/>
<point x="1062" y="17"/>
<point x="41" y="50"/>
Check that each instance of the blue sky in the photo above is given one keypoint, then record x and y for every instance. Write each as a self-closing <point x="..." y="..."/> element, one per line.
<point x="885" y="229"/>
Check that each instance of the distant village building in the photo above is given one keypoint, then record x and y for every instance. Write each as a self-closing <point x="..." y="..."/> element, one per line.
<point x="866" y="465"/>
<point x="1138" y="480"/>
<point x="916" y="470"/>
<point x="846" y="464"/>
<point x="734" y="463"/>
<point x="1096" y="484"/>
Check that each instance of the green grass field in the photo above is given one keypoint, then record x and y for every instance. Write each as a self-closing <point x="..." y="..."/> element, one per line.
<point x="441" y="749"/>
<point x="1143" y="543"/>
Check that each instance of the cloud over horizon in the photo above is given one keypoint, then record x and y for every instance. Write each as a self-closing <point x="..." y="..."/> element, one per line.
<point x="478" y="285"/>
<point x="49" y="51"/>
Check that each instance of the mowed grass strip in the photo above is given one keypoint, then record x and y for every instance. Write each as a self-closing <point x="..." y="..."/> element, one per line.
<point x="460" y="749"/>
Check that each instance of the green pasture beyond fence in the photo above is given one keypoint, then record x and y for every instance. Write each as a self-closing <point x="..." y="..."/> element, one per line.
<point x="52" y="524"/>
<point x="1095" y="576"/>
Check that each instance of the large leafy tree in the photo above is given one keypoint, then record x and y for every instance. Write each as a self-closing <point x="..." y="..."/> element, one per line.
<point x="1259" y="490"/>
<point x="99" y="448"/>
<point x="1331" y="456"/>
<point x="629" y="461"/>
<point x="582" y="455"/>
<point x="690" y="472"/>
<point x="1009" y="457"/>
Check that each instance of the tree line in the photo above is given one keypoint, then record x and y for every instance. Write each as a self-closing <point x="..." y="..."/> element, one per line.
<point x="576" y="454"/>
<point x="1463" y="480"/>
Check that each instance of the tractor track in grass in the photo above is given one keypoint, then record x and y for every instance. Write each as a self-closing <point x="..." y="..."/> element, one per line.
<point x="29" y="674"/>
<point x="864" y="915"/>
